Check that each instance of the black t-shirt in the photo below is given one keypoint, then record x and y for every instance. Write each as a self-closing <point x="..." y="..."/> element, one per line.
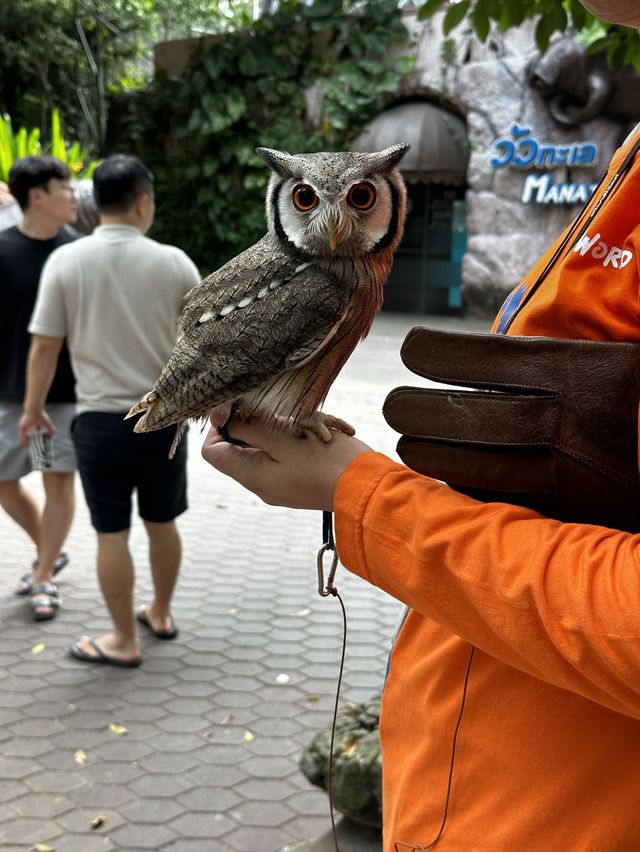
<point x="21" y="262"/>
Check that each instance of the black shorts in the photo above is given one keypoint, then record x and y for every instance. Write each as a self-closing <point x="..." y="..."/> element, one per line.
<point x="113" y="460"/>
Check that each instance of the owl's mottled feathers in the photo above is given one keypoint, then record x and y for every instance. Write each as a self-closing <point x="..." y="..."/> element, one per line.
<point x="273" y="327"/>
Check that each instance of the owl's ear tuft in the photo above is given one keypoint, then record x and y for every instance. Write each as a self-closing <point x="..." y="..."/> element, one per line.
<point x="384" y="161"/>
<point x="280" y="162"/>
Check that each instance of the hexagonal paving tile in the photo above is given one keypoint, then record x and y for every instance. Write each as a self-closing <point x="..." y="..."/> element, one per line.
<point x="45" y="805"/>
<point x="170" y="763"/>
<point x="79" y="820"/>
<point x="170" y="741"/>
<point x="251" y="839"/>
<point x="26" y="747"/>
<point x="203" y="825"/>
<point x="265" y="790"/>
<point x="160" y="784"/>
<point x="11" y="789"/>
<point x="160" y="810"/>
<point x="28" y="830"/>
<point x="262" y="814"/>
<point x="143" y="836"/>
<point x="100" y="795"/>
<point x="210" y="799"/>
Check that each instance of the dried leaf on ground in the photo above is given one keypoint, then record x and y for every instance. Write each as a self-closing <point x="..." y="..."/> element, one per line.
<point x="248" y="737"/>
<point x="119" y="730"/>
<point x="99" y="820"/>
<point x="80" y="757"/>
<point x="38" y="649"/>
<point x="42" y="847"/>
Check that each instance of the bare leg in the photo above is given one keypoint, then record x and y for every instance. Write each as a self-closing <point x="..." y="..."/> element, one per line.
<point x="20" y="505"/>
<point x="57" y="516"/>
<point x="165" y="553"/>
<point x="116" y="576"/>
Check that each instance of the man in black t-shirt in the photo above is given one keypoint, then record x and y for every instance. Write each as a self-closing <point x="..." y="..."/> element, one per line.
<point x="41" y="187"/>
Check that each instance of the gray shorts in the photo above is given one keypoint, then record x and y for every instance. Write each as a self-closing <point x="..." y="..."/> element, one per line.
<point x="14" y="458"/>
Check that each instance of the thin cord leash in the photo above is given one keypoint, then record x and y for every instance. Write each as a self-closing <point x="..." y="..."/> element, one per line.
<point x="324" y="590"/>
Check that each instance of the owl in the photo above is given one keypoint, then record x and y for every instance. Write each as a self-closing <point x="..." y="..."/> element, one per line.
<point x="272" y="328"/>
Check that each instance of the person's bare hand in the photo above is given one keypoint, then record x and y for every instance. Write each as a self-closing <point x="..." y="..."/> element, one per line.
<point x="30" y="421"/>
<point x="283" y="470"/>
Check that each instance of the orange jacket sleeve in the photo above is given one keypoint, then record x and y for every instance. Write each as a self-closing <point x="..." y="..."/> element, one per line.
<point x="557" y="601"/>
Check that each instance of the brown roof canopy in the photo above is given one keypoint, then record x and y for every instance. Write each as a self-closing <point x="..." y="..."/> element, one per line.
<point x="439" y="150"/>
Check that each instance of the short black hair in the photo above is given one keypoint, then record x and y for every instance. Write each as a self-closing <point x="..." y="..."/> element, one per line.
<point x="118" y="181"/>
<point x="31" y="172"/>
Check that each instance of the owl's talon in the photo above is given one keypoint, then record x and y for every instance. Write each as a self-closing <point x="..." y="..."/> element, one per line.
<point x="323" y="425"/>
<point x="234" y="414"/>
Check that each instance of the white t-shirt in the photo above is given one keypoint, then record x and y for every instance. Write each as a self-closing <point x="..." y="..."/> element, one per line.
<point x="116" y="296"/>
<point x="10" y="214"/>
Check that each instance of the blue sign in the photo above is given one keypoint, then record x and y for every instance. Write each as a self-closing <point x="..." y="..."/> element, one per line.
<point x="523" y="151"/>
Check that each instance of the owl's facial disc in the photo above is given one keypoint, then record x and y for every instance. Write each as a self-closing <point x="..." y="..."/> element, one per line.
<point x="335" y="222"/>
<point x="347" y="215"/>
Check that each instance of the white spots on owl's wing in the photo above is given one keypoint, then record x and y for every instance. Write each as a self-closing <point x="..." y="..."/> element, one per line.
<point x="248" y="300"/>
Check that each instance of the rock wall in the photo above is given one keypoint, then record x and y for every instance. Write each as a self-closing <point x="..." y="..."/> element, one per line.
<point x="506" y="236"/>
<point x="488" y="84"/>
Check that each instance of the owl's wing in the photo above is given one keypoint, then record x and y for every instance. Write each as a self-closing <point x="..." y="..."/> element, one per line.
<point x="262" y="313"/>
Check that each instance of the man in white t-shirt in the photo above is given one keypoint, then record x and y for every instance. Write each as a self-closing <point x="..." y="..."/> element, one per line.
<point x="116" y="299"/>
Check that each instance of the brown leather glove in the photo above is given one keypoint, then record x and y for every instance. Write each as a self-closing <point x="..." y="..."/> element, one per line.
<point x="558" y="434"/>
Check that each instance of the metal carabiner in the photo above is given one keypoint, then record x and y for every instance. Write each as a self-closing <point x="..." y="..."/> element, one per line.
<point x="328" y="589"/>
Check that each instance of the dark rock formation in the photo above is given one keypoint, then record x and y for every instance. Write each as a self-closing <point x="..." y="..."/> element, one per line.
<point x="357" y="763"/>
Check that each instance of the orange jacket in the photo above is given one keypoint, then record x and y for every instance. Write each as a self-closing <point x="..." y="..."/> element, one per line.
<point x="548" y="753"/>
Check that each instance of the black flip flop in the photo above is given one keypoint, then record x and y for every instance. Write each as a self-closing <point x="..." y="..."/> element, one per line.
<point x="143" y="618"/>
<point x="102" y="657"/>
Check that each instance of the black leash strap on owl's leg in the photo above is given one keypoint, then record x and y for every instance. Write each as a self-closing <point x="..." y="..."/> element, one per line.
<point x="326" y="589"/>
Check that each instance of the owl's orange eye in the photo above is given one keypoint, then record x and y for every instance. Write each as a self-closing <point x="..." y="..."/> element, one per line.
<point x="304" y="197"/>
<point x="362" y="196"/>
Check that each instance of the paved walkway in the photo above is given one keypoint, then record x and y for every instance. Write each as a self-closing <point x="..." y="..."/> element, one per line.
<point x="204" y="755"/>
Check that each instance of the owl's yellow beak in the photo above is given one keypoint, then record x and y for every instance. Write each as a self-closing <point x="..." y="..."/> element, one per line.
<point x="333" y="239"/>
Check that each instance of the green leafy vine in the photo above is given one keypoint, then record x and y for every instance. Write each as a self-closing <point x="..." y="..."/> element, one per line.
<point x="307" y="78"/>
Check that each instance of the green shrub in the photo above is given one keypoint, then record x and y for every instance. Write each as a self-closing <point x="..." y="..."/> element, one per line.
<point x="249" y="88"/>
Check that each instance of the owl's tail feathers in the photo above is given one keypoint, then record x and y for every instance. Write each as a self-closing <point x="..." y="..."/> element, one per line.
<point x="157" y="413"/>
<point x="148" y="404"/>
<point x="156" y="416"/>
<point x="180" y="427"/>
